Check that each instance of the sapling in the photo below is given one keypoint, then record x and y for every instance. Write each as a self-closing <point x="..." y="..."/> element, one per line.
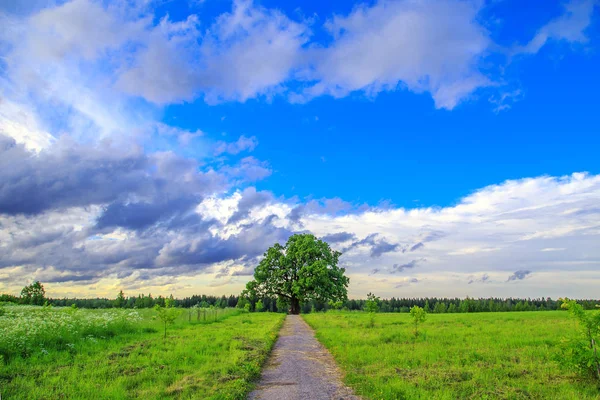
<point x="372" y="306"/>
<point x="167" y="314"/>
<point x="418" y="315"/>
<point x="584" y="352"/>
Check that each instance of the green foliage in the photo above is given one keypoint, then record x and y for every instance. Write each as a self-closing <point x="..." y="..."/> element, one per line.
<point x="439" y="308"/>
<point x="305" y="269"/>
<point x="242" y="301"/>
<point x="259" y="307"/>
<point x="372" y="306"/>
<point x="167" y="314"/>
<point x="418" y="316"/>
<point x="336" y="305"/>
<point x="120" y="300"/>
<point x="247" y="307"/>
<point x="489" y="356"/>
<point x="582" y="352"/>
<point x="282" y="304"/>
<point x="33" y="294"/>
<point x="372" y="303"/>
<point x="213" y="361"/>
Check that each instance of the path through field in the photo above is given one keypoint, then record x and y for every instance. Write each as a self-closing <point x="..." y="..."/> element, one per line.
<point x="300" y="368"/>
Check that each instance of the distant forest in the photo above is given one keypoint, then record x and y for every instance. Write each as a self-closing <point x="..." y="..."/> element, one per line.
<point x="431" y="304"/>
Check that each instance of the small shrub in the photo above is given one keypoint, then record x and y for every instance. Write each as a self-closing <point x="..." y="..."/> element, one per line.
<point x="582" y="353"/>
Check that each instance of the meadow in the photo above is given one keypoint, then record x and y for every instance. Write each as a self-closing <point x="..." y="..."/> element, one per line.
<point x="62" y="352"/>
<point x="456" y="356"/>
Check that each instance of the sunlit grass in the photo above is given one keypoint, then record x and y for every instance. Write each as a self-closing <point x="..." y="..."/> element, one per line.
<point x="199" y="359"/>
<point x="457" y="356"/>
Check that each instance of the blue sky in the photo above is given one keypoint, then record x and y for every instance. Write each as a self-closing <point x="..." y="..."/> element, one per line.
<point x="163" y="145"/>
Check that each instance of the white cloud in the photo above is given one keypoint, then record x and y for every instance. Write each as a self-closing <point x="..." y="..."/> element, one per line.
<point x="242" y="144"/>
<point x="92" y="58"/>
<point x="514" y="226"/>
<point x="22" y="125"/>
<point x="424" y="46"/>
<point x="569" y="27"/>
<point x="249" y="52"/>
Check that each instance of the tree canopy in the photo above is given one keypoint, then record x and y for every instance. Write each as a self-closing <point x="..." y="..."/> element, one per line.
<point x="34" y="294"/>
<point x="304" y="269"/>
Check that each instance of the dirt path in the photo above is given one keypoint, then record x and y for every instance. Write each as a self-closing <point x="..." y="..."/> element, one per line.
<point x="300" y="368"/>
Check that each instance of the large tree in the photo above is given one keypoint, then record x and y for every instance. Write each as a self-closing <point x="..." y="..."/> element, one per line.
<point x="304" y="269"/>
<point x="34" y="294"/>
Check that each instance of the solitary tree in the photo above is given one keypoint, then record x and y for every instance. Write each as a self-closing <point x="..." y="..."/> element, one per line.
<point x="304" y="269"/>
<point x="167" y="314"/>
<point x="34" y="294"/>
<point x="372" y="306"/>
<point x="418" y="315"/>
<point x="372" y="303"/>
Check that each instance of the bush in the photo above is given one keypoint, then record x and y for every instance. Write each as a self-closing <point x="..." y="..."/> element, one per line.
<point x="25" y="330"/>
<point x="582" y="353"/>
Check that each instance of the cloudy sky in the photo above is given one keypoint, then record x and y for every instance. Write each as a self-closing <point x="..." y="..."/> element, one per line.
<point x="446" y="147"/>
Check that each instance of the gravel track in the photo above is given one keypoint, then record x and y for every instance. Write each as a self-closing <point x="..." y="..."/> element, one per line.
<point x="300" y="368"/>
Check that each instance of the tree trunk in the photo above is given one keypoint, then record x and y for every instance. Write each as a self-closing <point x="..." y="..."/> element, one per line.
<point x="295" y="309"/>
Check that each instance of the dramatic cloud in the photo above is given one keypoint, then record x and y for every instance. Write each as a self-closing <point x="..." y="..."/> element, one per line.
<point x="225" y="235"/>
<point x="95" y="186"/>
<point x="71" y="175"/>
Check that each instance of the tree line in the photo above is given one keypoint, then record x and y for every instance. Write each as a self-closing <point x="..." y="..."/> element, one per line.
<point x="34" y="294"/>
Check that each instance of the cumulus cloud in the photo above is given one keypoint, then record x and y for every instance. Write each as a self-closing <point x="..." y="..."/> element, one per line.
<point x="83" y="53"/>
<point x="427" y="46"/>
<point x="227" y="235"/>
<point x="71" y="175"/>
<point x="237" y="45"/>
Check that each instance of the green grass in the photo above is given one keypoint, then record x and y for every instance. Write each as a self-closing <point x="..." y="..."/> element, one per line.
<point x="199" y="360"/>
<point x="456" y="356"/>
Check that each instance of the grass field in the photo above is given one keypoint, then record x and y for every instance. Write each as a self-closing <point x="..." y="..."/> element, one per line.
<point x="121" y="354"/>
<point x="457" y="356"/>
